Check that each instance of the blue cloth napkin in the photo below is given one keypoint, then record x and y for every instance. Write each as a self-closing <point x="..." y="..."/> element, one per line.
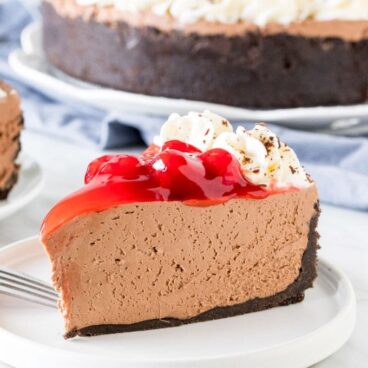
<point x="339" y="165"/>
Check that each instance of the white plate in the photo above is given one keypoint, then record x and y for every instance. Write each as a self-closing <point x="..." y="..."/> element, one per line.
<point x="295" y="336"/>
<point x="31" y="65"/>
<point x="29" y="185"/>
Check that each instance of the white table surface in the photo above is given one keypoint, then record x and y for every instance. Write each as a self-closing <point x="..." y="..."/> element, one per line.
<point x="344" y="233"/>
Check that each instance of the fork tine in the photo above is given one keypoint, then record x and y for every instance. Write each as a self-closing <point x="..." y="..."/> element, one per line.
<point x="30" y="286"/>
<point x="26" y="278"/>
<point x="40" y="302"/>
<point x="28" y="292"/>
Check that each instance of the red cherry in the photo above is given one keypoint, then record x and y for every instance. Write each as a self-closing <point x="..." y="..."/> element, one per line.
<point x="221" y="163"/>
<point x="180" y="146"/>
<point x="94" y="167"/>
<point x="180" y="173"/>
<point x="118" y="166"/>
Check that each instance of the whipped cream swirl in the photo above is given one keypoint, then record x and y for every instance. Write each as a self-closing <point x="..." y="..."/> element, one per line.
<point x="264" y="159"/>
<point x="3" y="93"/>
<point x="259" y="12"/>
<point x="198" y="129"/>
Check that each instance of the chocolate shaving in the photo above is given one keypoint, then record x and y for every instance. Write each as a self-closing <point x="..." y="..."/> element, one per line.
<point x="279" y="142"/>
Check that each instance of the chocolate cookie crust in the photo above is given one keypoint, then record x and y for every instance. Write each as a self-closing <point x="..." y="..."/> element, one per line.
<point x="251" y="70"/>
<point x="4" y="192"/>
<point x="293" y="294"/>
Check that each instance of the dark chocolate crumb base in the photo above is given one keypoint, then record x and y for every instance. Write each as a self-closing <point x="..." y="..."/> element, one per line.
<point x="4" y="192"/>
<point x="293" y="294"/>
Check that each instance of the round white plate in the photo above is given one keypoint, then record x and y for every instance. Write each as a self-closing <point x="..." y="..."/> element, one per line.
<point x="295" y="336"/>
<point x="29" y="185"/>
<point x="30" y="63"/>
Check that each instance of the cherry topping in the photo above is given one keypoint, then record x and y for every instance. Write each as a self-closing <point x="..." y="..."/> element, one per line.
<point x="123" y="166"/>
<point x="180" y="146"/>
<point x="178" y="171"/>
<point x="221" y="163"/>
<point x="94" y="168"/>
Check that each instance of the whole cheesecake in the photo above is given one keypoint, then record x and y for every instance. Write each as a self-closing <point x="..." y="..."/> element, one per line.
<point x="11" y="123"/>
<point x="206" y="223"/>
<point x="250" y="53"/>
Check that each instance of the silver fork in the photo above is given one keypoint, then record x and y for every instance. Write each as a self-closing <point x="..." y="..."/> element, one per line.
<point x="28" y="288"/>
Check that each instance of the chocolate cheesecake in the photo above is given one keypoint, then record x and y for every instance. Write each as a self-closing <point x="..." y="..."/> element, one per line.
<point x="207" y="223"/>
<point x="11" y="123"/>
<point x="252" y="53"/>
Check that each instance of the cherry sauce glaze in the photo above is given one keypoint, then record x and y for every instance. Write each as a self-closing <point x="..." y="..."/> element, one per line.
<point x="175" y="172"/>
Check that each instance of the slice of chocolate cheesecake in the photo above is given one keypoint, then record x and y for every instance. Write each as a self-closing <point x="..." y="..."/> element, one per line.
<point x="207" y="223"/>
<point x="11" y="123"/>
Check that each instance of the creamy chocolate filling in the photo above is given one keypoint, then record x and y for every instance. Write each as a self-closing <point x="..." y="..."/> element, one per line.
<point x="158" y="260"/>
<point x="10" y="128"/>
<point x="350" y="30"/>
<point x="9" y="103"/>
